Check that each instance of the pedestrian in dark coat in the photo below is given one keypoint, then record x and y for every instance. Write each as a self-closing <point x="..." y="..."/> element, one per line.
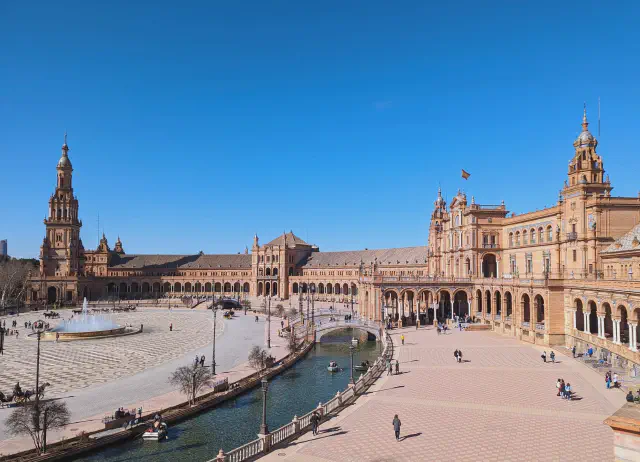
<point x="396" y="426"/>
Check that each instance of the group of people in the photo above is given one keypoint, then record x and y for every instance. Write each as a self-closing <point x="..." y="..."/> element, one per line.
<point x="458" y="355"/>
<point x="199" y="360"/>
<point x="564" y="389"/>
<point x="631" y="399"/>
<point x="611" y="380"/>
<point x="552" y="356"/>
<point x="442" y="328"/>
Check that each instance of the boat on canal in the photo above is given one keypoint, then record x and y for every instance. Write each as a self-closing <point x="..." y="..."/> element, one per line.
<point x="363" y="366"/>
<point x="157" y="432"/>
<point x="333" y="367"/>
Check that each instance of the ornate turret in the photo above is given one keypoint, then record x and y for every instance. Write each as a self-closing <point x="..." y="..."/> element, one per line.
<point x="256" y="242"/>
<point x="104" y="244"/>
<point x="586" y="167"/>
<point x="118" y="248"/>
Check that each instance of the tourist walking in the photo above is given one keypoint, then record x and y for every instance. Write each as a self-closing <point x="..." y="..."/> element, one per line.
<point x="389" y="368"/>
<point x="455" y="355"/>
<point x="562" y="387"/>
<point x="558" y="386"/>
<point x="57" y="336"/>
<point x="459" y="356"/>
<point x="607" y="379"/>
<point x="402" y="338"/>
<point x="553" y="356"/>
<point x="202" y="361"/>
<point x="615" y="380"/>
<point x="396" y="426"/>
<point x="573" y="350"/>
<point x="397" y="367"/>
<point x="315" y="420"/>
<point x="544" y="356"/>
<point x="171" y="327"/>
<point x="567" y="391"/>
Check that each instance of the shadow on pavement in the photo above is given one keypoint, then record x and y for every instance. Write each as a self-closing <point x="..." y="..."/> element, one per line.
<point x="413" y="435"/>
<point x="384" y="389"/>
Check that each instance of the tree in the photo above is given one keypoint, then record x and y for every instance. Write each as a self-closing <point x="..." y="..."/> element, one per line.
<point x="259" y="358"/>
<point x="13" y="281"/>
<point x="293" y="311"/>
<point x="280" y="309"/>
<point x="36" y="420"/>
<point x="190" y="380"/>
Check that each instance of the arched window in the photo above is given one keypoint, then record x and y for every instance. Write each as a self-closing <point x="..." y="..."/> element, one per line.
<point x="268" y="272"/>
<point x="295" y="287"/>
<point x="549" y="234"/>
<point x="533" y="236"/>
<point x="275" y="271"/>
<point x="525" y="239"/>
<point x="517" y="237"/>
<point x="291" y="271"/>
<point x="510" y="239"/>
<point x="540" y="235"/>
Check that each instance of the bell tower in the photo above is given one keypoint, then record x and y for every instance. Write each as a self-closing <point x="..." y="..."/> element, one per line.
<point x="586" y="168"/>
<point x="60" y="254"/>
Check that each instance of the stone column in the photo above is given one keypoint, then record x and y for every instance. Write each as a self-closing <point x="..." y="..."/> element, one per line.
<point x="575" y="322"/>
<point x="451" y="309"/>
<point x="601" y="326"/>
<point x="632" y="337"/>
<point x="616" y="331"/>
<point x="587" y="323"/>
<point x="469" y="307"/>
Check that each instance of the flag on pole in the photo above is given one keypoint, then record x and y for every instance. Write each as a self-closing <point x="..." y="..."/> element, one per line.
<point x="465" y="174"/>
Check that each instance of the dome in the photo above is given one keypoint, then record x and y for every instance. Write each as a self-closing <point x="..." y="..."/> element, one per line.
<point x="585" y="138"/>
<point x="64" y="161"/>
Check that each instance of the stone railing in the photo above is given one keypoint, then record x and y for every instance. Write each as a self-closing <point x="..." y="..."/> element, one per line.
<point x="526" y="324"/>
<point x="258" y="448"/>
<point x="539" y="326"/>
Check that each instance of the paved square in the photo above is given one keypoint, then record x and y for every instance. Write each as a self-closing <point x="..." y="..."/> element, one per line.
<point x="500" y="404"/>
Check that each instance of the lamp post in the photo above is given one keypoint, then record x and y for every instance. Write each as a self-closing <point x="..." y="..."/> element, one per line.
<point x="213" y="356"/>
<point x="351" y="349"/>
<point x="308" y="289"/>
<point x="313" y="310"/>
<point x="264" y="430"/>
<point x="269" y="324"/>
<point x="39" y="326"/>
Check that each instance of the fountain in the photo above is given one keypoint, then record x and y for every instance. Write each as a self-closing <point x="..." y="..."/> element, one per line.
<point x="86" y="326"/>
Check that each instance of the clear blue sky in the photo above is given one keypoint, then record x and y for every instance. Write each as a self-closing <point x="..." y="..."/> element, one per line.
<point x="193" y="125"/>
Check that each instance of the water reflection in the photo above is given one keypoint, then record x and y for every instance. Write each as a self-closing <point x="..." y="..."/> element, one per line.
<point x="236" y="422"/>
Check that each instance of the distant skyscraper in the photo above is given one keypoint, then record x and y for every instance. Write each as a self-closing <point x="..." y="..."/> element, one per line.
<point x="3" y="248"/>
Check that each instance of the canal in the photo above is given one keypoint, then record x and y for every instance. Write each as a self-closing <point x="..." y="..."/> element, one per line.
<point x="236" y="422"/>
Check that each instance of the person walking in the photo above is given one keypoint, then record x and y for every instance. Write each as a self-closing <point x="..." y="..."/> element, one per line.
<point x="396" y="426"/>
<point x="573" y="350"/>
<point x="567" y="391"/>
<point x="455" y="355"/>
<point x="171" y="327"/>
<point x="202" y="361"/>
<point x="544" y="356"/>
<point x="558" y="387"/>
<point x="459" y="356"/>
<point x="553" y="356"/>
<point x="140" y="412"/>
<point x="562" y="388"/>
<point x="615" y="380"/>
<point x="390" y="370"/>
<point x="315" y="419"/>
<point x="607" y="379"/>
<point x="397" y="367"/>
<point x="402" y="338"/>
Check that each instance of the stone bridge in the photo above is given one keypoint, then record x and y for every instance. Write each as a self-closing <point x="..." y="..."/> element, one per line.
<point x="323" y="327"/>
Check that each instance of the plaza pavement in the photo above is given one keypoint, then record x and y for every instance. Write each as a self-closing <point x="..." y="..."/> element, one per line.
<point x="499" y="405"/>
<point x="95" y="377"/>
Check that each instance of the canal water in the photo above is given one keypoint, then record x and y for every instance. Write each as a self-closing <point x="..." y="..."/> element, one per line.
<point x="236" y="422"/>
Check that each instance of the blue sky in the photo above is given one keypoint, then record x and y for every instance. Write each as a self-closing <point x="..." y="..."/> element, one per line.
<point x="194" y="125"/>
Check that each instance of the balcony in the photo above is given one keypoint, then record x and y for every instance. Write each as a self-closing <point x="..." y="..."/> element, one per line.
<point x="489" y="246"/>
<point x="572" y="236"/>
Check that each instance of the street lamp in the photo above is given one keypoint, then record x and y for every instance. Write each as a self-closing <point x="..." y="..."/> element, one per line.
<point x="351" y="349"/>
<point x="39" y="327"/>
<point x="213" y="356"/>
<point x="264" y="430"/>
<point x="269" y="324"/>
<point x="313" y="310"/>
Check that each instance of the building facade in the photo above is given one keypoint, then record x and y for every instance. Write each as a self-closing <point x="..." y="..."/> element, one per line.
<point x="567" y="274"/>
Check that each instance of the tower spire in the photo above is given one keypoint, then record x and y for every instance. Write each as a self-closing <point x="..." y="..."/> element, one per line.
<point x="585" y="123"/>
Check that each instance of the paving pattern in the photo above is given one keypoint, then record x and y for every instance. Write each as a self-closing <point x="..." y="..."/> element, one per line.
<point x="499" y="405"/>
<point x="79" y="364"/>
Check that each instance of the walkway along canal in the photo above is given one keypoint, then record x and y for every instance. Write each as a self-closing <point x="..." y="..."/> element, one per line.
<point x="237" y="421"/>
